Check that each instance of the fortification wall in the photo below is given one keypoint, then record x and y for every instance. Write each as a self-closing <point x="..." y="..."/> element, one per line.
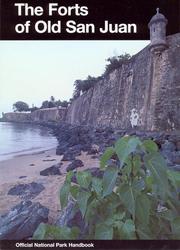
<point x="143" y="93"/>
<point x="41" y="115"/>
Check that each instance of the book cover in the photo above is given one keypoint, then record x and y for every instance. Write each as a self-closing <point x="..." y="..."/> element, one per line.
<point x="89" y="124"/>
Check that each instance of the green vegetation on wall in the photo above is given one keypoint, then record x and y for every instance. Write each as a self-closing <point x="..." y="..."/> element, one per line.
<point x="113" y="63"/>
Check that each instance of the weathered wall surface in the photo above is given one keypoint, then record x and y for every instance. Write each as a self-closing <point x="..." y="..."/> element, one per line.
<point x="48" y="114"/>
<point x="42" y="115"/>
<point x="16" y="117"/>
<point x="144" y="93"/>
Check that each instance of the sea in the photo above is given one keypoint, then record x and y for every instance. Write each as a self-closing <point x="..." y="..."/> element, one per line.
<point x="19" y="139"/>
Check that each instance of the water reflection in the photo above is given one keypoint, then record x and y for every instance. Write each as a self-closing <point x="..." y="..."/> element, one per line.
<point x="18" y="137"/>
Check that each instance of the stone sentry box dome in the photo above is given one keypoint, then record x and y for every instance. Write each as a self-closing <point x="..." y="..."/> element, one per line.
<point x="157" y="26"/>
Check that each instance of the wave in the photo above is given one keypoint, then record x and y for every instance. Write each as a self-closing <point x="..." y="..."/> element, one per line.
<point x="20" y="151"/>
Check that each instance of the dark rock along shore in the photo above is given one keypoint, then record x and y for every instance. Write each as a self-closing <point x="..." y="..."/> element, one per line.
<point x="74" y="139"/>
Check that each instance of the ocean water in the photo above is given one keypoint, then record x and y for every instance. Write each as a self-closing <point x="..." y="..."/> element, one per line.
<point x="17" y="139"/>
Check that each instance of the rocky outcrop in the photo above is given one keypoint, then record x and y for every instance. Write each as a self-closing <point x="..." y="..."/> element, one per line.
<point x="22" y="220"/>
<point x="53" y="170"/>
<point x="75" y="164"/>
<point x="143" y="93"/>
<point x="74" y="139"/>
<point x="26" y="191"/>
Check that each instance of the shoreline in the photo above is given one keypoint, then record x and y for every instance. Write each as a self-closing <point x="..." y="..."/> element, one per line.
<point x="26" y="153"/>
<point x="25" y="169"/>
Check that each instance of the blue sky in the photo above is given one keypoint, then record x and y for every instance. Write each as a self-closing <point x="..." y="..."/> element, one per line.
<point x="32" y="71"/>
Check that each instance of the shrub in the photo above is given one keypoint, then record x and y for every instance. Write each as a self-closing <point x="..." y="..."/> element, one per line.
<point x="115" y="62"/>
<point x="137" y="198"/>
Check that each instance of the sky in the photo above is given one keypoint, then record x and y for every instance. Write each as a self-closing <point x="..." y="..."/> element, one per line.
<point x="32" y="71"/>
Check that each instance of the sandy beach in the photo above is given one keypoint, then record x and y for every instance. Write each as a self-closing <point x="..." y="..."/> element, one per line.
<point x="26" y="169"/>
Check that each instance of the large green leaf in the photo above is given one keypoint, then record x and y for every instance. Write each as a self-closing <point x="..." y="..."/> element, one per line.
<point x="136" y="164"/>
<point x="143" y="206"/>
<point x="74" y="191"/>
<point x="84" y="178"/>
<point x="103" y="232"/>
<point x="40" y="232"/>
<point x="51" y="232"/>
<point x="138" y="184"/>
<point x="149" y="183"/>
<point x="174" y="177"/>
<point x="82" y="200"/>
<point x="106" y="156"/>
<point x="90" y="212"/>
<point x="128" y="167"/>
<point x="127" y="230"/>
<point x="149" y="146"/>
<point x="143" y="231"/>
<point x="109" y="180"/>
<point x="157" y="166"/>
<point x="175" y="225"/>
<point x="125" y="146"/>
<point x="64" y="193"/>
<point x="97" y="185"/>
<point x="128" y="197"/>
<point x="69" y="176"/>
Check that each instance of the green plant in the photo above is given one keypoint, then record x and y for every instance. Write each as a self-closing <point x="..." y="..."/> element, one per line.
<point x="137" y="197"/>
<point x="115" y="62"/>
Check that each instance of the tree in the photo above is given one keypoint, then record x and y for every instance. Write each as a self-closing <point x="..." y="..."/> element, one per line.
<point x="64" y="104"/>
<point x="45" y="104"/>
<point x="20" y="106"/>
<point x="58" y="103"/>
<point x="52" y="99"/>
<point x="84" y="85"/>
<point x="51" y="104"/>
<point x="115" y="62"/>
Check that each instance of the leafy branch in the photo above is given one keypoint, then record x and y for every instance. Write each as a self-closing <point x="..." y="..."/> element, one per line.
<point x="137" y="197"/>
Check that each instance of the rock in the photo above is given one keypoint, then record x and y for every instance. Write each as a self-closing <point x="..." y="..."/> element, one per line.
<point x="95" y="157"/>
<point x="66" y="214"/>
<point x="96" y="172"/>
<point x="71" y="153"/>
<point x="61" y="150"/>
<point x="178" y="145"/>
<point x="72" y="217"/>
<point x="22" y="220"/>
<point x="176" y="167"/>
<point x="27" y="191"/>
<point x="49" y="160"/>
<point x="68" y="157"/>
<point x="75" y="164"/>
<point x="168" y="146"/>
<point x="23" y="176"/>
<point x="53" y="170"/>
<point x="176" y="158"/>
<point x="94" y="149"/>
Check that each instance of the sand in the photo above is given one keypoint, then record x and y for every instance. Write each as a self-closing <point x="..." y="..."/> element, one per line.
<point x="29" y="167"/>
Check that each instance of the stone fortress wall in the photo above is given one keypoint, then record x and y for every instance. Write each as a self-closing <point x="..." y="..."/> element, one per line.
<point x="143" y="93"/>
